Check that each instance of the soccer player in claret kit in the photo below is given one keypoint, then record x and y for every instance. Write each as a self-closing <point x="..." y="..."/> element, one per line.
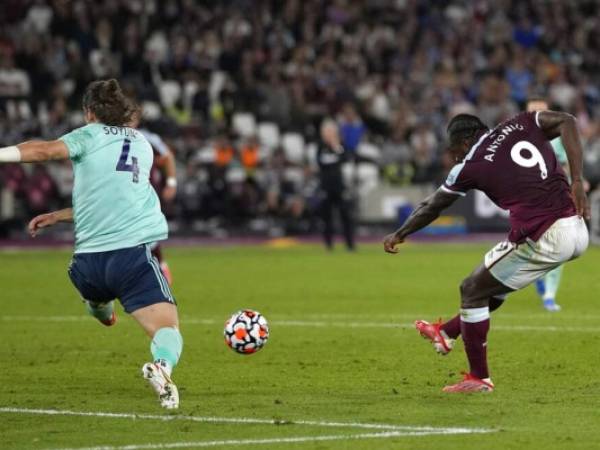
<point x="117" y="216"/>
<point x="515" y="166"/>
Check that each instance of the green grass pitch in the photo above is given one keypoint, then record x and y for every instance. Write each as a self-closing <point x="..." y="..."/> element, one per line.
<point x="342" y="349"/>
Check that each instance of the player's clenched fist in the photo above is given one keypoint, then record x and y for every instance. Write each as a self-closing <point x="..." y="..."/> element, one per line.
<point x="390" y="242"/>
<point x="581" y="203"/>
<point x="39" y="222"/>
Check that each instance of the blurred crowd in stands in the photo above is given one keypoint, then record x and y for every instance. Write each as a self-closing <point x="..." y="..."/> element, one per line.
<point x="238" y="88"/>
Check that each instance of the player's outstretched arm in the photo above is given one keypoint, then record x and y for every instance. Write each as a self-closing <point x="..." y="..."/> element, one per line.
<point x="49" y="219"/>
<point x="34" y="151"/>
<point x="554" y="124"/>
<point x="167" y="165"/>
<point x="427" y="211"/>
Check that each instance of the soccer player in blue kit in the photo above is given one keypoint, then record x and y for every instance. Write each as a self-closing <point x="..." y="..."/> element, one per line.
<point x="547" y="286"/>
<point x="117" y="216"/>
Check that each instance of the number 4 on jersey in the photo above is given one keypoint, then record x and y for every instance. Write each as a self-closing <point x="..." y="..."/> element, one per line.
<point x="122" y="165"/>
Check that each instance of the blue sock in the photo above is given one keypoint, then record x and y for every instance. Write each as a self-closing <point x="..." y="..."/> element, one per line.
<point x="540" y="286"/>
<point x="166" y="345"/>
<point x="552" y="281"/>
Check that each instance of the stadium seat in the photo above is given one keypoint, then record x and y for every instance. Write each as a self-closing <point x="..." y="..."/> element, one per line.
<point x="170" y="92"/>
<point x="311" y="153"/>
<point x="268" y="134"/>
<point x="244" y="124"/>
<point x="348" y="173"/>
<point x="293" y="146"/>
<point x="205" y="155"/>
<point x="368" y="177"/>
<point x="260" y="176"/>
<point x="76" y="118"/>
<point x="235" y="175"/>
<point x="68" y="87"/>
<point x="99" y="63"/>
<point x="265" y="153"/>
<point x="151" y="110"/>
<point x="217" y="81"/>
<point x="190" y="88"/>
<point x="7" y="204"/>
<point x="294" y="175"/>
<point x="369" y="151"/>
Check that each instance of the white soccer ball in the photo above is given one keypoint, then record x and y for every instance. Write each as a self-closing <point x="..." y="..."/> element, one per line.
<point x="246" y="331"/>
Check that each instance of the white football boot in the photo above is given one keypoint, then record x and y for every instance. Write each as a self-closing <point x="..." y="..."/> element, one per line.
<point x="159" y="379"/>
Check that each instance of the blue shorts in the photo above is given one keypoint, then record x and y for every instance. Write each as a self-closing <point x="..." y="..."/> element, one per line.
<point x="131" y="274"/>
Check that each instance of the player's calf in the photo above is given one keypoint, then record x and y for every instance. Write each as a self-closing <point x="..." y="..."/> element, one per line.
<point x="540" y="287"/>
<point x="166" y="348"/>
<point x="551" y="281"/>
<point x="476" y="291"/>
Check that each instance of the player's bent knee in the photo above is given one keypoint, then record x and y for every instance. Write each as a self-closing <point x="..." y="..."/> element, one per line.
<point x="470" y="295"/>
<point x="467" y="288"/>
<point x="468" y="303"/>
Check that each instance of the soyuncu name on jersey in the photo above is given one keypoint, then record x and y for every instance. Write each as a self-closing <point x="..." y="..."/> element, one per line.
<point x="120" y="131"/>
<point x="504" y="132"/>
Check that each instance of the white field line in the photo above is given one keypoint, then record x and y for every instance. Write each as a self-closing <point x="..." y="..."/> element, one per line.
<point x="342" y="323"/>
<point x="391" y="430"/>
<point x="300" y="323"/>
<point x="289" y="440"/>
<point x="245" y="420"/>
<point x="410" y="315"/>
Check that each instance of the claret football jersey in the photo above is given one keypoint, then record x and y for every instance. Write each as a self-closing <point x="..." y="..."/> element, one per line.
<point x="515" y="166"/>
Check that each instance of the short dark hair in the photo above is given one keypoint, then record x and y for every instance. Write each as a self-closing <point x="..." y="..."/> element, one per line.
<point x="464" y="126"/>
<point x="108" y="103"/>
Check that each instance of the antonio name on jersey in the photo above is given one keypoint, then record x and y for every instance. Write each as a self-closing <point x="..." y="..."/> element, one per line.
<point x="503" y="134"/>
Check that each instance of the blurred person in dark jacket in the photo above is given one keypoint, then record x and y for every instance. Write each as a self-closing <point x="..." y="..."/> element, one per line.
<point x="334" y="193"/>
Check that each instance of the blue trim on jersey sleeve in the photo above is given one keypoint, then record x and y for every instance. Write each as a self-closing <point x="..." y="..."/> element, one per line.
<point x="446" y="189"/>
<point x="454" y="173"/>
<point x="457" y="169"/>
